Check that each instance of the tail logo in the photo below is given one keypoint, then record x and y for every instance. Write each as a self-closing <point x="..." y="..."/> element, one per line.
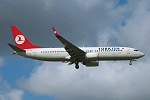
<point x="20" y="39"/>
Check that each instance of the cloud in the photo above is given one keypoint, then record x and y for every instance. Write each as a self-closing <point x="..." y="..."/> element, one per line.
<point x="87" y="4"/>
<point x="115" y="82"/>
<point x="74" y="19"/>
<point x="109" y="38"/>
<point x="8" y="93"/>
<point x="137" y="30"/>
<point x="96" y="23"/>
<point x="15" y="94"/>
<point x="12" y="95"/>
<point x="111" y="80"/>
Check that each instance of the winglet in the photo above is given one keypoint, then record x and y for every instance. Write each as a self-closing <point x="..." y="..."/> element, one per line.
<point x="55" y="32"/>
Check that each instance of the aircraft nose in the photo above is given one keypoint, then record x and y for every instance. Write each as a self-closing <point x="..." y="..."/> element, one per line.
<point x="142" y="54"/>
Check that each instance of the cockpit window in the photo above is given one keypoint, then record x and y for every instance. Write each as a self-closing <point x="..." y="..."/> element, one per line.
<point x="136" y="50"/>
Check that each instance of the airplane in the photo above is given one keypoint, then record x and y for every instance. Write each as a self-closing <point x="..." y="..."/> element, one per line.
<point x="88" y="56"/>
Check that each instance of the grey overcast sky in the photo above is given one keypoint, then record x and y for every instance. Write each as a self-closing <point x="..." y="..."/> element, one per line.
<point x="83" y="23"/>
<point x="79" y="21"/>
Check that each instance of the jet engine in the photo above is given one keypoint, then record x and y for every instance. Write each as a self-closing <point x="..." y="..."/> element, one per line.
<point x="91" y="56"/>
<point x="91" y="63"/>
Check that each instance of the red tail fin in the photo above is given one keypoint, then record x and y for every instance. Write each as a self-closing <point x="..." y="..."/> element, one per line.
<point x="20" y="40"/>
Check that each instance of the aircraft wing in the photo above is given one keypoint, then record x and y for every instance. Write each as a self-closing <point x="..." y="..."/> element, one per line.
<point x="75" y="52"/>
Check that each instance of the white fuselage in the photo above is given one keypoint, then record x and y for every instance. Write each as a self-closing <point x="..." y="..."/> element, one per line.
<point x="89" y="56"/>
<point x="92" y="53"/>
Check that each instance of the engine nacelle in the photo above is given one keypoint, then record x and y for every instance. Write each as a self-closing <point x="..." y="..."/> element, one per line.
<point x="91" y="63"/>
<point x="91" y="56"/>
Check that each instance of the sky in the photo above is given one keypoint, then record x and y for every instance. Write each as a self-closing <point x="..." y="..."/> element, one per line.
<point x="84" y="23"/>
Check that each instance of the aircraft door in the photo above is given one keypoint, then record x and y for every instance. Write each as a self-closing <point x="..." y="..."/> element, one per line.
<point x="31" y="53"/>
<point x="128" y="51"/>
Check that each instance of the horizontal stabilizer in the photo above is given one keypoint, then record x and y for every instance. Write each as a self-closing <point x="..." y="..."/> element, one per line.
<point x="16" y="48"/>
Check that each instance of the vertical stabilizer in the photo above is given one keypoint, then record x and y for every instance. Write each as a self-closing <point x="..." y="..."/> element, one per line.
<point x="20" y="40"/>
